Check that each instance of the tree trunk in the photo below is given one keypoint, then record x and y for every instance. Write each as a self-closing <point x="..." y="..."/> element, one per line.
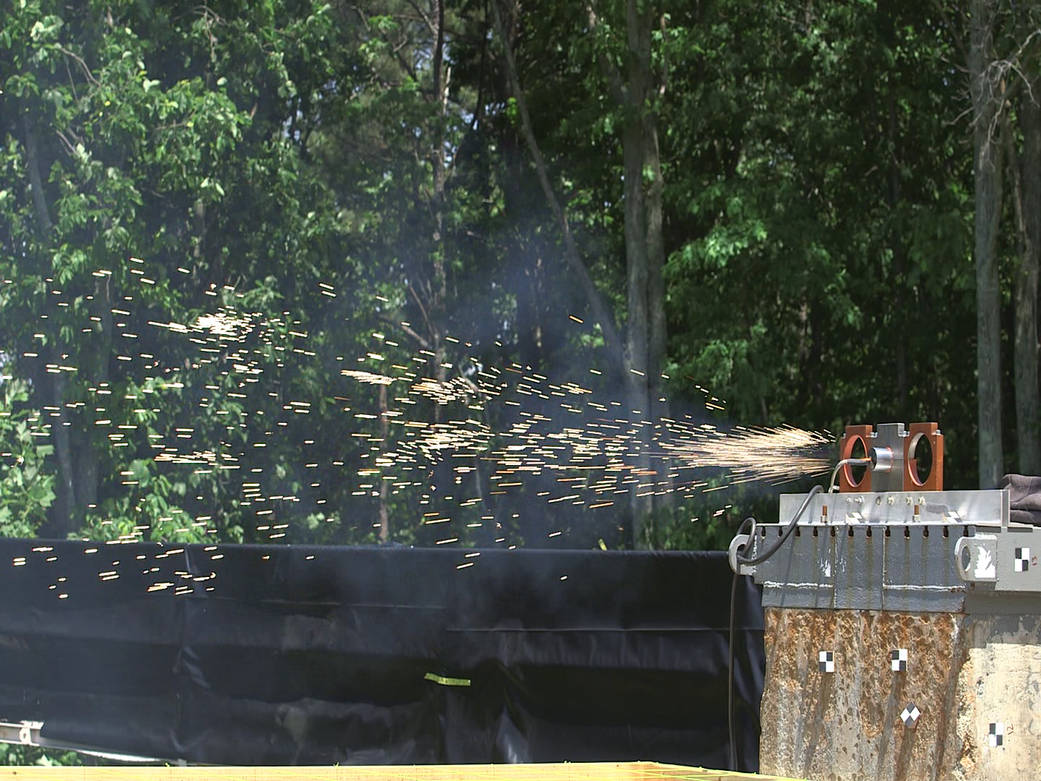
<point x="88" y="467"/>
<point x="65" y="505"/>
<point x="1028" y="416"/>
<point x="657" y="338"/>
<point x="986" y="101"/>
<point x="645" y="253"/>
<point x="638" y="322"/>
<point x="439" y="292"/>
<point x="898" y="248"/>
<point x="384" y="514"/>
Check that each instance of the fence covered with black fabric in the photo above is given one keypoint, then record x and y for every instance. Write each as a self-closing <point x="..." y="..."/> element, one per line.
<point x="322" y="655"/>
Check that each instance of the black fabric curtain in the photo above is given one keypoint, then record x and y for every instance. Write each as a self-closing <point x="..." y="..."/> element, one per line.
<point x="321" y="655"/>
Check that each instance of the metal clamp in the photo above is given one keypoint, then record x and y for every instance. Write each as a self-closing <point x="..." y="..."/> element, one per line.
<point x="739" y="543"/>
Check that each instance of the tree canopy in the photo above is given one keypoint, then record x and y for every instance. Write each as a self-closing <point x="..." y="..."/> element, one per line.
<point x="437" y="272"/>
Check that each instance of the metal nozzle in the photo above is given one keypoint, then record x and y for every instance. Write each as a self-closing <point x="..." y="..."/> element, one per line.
<point x="881" y="459"/>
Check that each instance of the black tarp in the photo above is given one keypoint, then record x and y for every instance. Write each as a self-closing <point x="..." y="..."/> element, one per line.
<point x="322" y="655"/>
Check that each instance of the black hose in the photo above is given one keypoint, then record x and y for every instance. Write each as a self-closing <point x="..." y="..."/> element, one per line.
<point x="731" y="748"/>
<point x="770" y="551"/>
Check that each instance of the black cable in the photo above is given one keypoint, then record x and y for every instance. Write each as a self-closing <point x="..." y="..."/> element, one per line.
<point x="784" y="537"/>
<point x="731" y="747"/>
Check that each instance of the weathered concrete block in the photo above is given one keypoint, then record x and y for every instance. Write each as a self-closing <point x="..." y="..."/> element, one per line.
<point x="864" y="694"/>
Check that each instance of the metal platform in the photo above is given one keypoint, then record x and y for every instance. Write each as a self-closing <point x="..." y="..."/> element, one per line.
<point x="945" y="551"/>
<point x="591" y="771"/>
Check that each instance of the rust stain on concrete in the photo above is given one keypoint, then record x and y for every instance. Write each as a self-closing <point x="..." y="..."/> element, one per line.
<point x="962" y="673"/>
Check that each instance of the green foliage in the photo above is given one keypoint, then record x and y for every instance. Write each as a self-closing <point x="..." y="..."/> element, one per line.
<point x="683" y="527"/>
<point x="11" y="754"/>
<point x="26" y="486"/>
<point x="814" y="224"/>
<point x="150" y="142"/>
<point x="291" y="165"/>
<point x="709" y="520"/>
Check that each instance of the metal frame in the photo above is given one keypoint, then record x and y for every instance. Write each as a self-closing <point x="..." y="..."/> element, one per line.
<point x="898" y="550"/>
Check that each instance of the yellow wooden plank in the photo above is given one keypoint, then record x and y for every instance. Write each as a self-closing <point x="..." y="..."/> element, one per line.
<point x="579" y="771"/>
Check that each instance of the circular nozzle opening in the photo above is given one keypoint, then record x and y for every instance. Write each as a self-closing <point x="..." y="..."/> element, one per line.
<point x="920" y="457"/>
<point x="855" y="473"/>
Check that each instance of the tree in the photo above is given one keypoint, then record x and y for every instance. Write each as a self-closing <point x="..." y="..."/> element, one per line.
<point x="822" y="216"/>
<point x="1028" y="415"/>
<point x="635" y="87"/>
<point x="987" y="92"/>
<point x="1006" y="135"/>
<point x="134" y="146"/>
<point x="26" y="485"/>
<point x="1025" y="169"/>
<point x="226" y="230"/>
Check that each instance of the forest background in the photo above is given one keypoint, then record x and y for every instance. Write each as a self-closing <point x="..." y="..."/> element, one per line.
<point x="822" y="213"/>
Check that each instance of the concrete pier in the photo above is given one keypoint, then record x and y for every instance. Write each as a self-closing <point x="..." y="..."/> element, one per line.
<point x="903" y="638"/>
<point x="963" y="700"/>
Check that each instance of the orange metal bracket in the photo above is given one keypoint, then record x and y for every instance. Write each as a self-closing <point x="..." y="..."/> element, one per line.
<point x="849" y="440"/>
<point x="934" y="482"/>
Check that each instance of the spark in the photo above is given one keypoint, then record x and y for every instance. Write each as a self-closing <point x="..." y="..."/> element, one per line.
<point x="457" y="434"/>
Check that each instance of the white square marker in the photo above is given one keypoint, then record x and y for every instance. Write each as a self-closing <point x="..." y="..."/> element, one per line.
<point x="996" y="734"/>
<point x="910" y="714"/>
<point x="826" y="661"/>
<point x="898" y="660"/>
<point x="1021" y="560"/>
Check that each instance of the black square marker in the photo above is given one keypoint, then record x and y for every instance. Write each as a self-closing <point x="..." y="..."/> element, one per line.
<point x="910" y="715"/>
<point x="1021" y="561"/>
<point x="826" y="661"/>
<point x="996" y="735"/>
<point x="898" y="660"/>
